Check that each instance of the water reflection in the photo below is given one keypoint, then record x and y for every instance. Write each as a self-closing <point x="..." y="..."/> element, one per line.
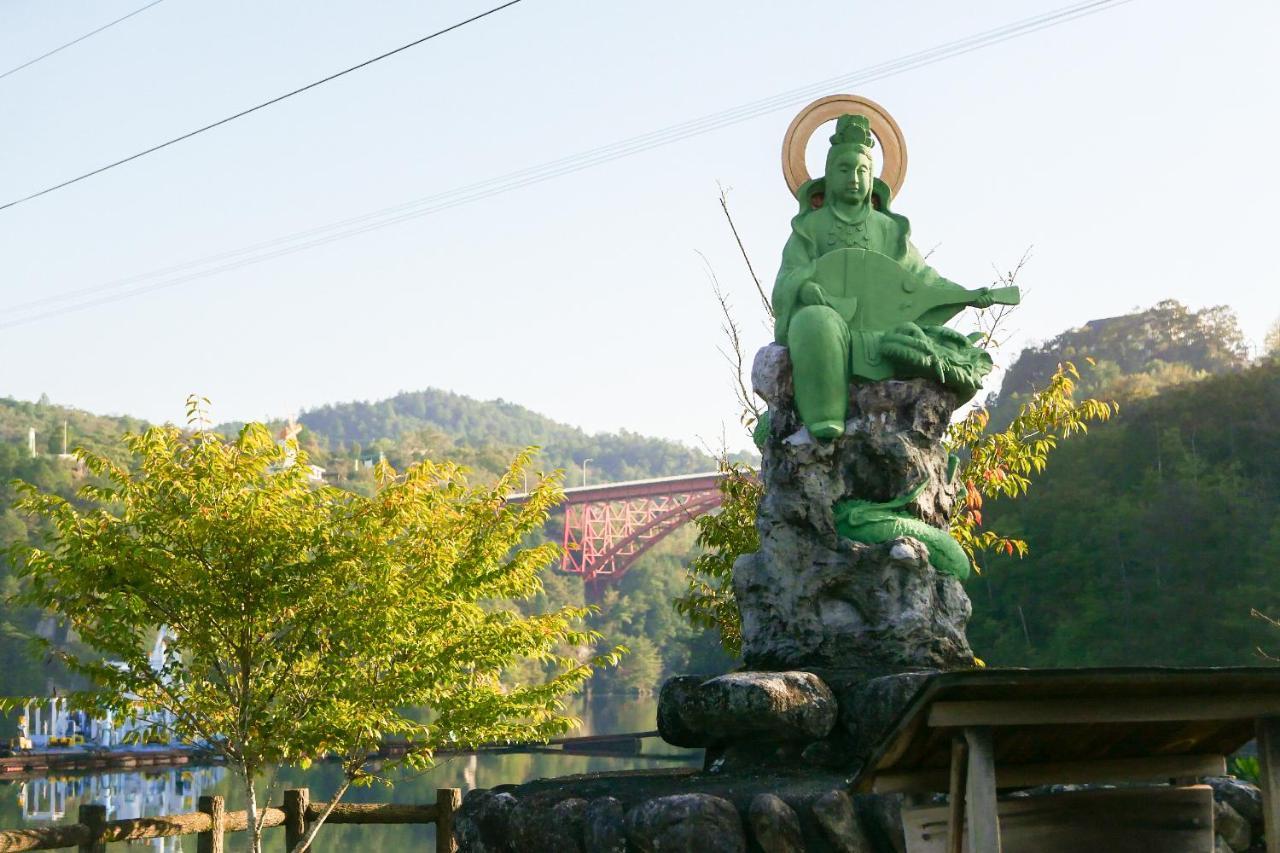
<point x="126" y="795"/>
<point x="44" y="801"/>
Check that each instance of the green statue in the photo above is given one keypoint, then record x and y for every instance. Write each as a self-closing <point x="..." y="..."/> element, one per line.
<point x="854" y="301"/>
<point x="867" y="521"/>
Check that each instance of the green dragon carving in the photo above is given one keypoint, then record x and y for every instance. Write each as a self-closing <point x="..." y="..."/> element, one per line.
<point x="872" y="523"/>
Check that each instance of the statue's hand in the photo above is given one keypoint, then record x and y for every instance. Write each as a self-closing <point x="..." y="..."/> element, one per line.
<point x="811" y="294"/>
<point x="984" y="299"/>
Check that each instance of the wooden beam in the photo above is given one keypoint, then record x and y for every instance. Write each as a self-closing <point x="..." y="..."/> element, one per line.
<point x="448" y="801"/>
<point x="93" y="816"/>
<point x="1150" y="769"/>
<point x="378" y="813"/>
<point x="296" y="801"/>
<point x="955" y="818"/>
<point x="1066" y="711"/>
<point x="239" y="821"/>
<point x="902" y="742"/>
<point x="138" y="828"/>
<point x="1115" y="820"/>
<point x="1269" y="763"/>
<point x="44" y="837"/>
<point x="980" y="793"/>
<point x="213" y="840"/>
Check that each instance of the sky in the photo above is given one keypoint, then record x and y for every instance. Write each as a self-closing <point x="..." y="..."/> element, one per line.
<point x="1130" y="150"/>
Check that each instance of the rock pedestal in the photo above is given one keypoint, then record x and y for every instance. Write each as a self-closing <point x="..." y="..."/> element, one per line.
<point x="838" y="637"/>
<point x="812" y="599"/>
<point x="837" y="634"/>
<point x="771" y="707"/>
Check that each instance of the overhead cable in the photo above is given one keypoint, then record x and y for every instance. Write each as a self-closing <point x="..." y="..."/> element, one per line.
<point x="311" y="238"/>
<point x="254" y="109"/>
<point x="89" y="34"/>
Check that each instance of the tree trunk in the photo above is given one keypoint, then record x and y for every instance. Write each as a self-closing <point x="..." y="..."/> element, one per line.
<point x="251" y="807"/>
<point x="305" y="843"/>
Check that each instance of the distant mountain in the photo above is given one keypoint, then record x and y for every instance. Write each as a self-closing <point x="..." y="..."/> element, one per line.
<point x="1135" y="355"/>
<point x="495" y="421"/>
<point x="432" y="421"/>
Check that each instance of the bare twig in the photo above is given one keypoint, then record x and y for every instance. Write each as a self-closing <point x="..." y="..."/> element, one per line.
<point x="1258" y="614"/>
<point x="720" y="453"/>
<point x="764" y="298"/>
<point x="991" y="321"/>
<point x="733" y="353"/>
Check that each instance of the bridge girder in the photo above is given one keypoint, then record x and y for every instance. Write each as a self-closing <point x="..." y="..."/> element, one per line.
<point x="604" y="535"/>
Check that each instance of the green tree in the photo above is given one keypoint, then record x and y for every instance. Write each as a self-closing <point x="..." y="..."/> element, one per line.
<point x="1002" y="463"/>
<point x="723" y="536"/>
<point x="305" y="620"/>
<point x="1271" y="343"/>
<point x="640" y="671"/>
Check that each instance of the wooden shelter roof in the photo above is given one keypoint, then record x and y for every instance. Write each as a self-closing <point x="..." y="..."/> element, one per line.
<point x="1061" y="717"/>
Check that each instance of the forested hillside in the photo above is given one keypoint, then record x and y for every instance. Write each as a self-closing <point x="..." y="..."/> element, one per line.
<point x="21" y="671"/>
<point x="1134" y="356"/>
<point x="431" y="424"/>
<point x="1152" y="537"/>
<point x="96" y="432"/>
<point x="426" y="422"/>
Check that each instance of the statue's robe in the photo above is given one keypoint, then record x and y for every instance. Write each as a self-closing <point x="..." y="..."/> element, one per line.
<point x="816" y="231"/>
<point x="822" y="345"/>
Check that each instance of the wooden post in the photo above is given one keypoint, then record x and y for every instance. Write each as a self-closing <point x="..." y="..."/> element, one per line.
<point x="296" y="801"/>
<point x="980" y="794"/>
<point x="211" y="841"/>
<point x="1268" y="729"/>
<point x="95" y="817"/>
<point x="955" y="823"/>
<point x="448" y="801"/>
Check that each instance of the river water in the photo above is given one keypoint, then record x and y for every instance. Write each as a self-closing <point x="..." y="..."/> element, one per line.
<point x="41" y="802"/>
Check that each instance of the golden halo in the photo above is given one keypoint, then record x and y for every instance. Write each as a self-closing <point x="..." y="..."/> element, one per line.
<point x="893" y="159"/>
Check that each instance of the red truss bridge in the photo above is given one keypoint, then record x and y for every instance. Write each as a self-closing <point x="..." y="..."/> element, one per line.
<point x="608" y="527"/>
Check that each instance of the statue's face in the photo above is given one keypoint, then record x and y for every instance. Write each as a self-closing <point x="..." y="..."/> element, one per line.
<point x="849" y="176"/>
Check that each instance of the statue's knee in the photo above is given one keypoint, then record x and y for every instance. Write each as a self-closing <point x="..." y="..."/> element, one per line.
<point x="818" y="322"/>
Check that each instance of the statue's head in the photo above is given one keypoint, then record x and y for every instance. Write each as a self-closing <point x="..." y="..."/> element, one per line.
<point x="849" y="178"/>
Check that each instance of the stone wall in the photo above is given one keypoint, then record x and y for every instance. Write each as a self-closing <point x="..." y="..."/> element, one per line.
<point x="662" y="811"/>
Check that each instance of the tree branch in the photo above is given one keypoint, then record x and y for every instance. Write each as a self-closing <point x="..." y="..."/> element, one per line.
<point x="992" y="320"/>
<point x="734" y="354"/>
<point x="764" y="298"/>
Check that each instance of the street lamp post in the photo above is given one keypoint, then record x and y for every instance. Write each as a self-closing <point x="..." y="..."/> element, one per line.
<point x="584" y="470"/>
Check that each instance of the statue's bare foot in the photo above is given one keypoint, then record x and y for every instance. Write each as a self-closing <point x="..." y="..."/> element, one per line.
<point x="826" y="430"/>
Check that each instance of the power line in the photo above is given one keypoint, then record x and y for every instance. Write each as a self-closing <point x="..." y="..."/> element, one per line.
<point x="314" y="237"/>
<point x="354" y="226"/>
<point x="89" y="34"/>
<point x="263" y="105"/>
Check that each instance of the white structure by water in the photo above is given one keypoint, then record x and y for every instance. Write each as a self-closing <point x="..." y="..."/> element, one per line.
<point x="50" y="724"/>
<point x="125" y="795"/>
